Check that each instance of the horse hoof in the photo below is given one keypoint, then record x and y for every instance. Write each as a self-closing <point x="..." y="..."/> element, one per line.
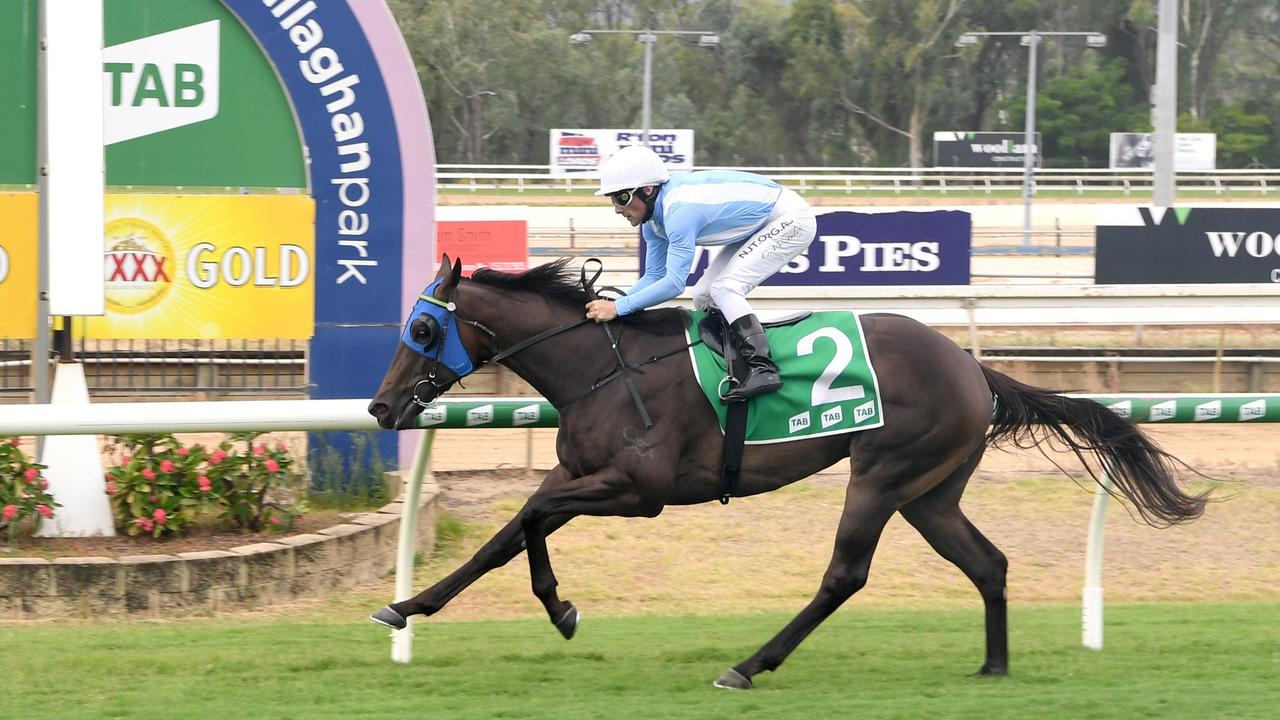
<point x="568" y="622"/>
<point x="992" y="671"/>
<point x="733" y="680"/>
<point x="390" y="618"/>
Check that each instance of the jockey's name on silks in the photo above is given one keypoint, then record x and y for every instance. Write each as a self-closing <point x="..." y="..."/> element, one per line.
<point x="829" y="386"/>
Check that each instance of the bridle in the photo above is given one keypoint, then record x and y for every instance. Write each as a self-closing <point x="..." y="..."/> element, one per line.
<point x="466" y="364"/>
<point x="457" y="358"/>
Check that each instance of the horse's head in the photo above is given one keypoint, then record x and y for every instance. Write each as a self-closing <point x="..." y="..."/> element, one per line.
<point x="433" y="353"/>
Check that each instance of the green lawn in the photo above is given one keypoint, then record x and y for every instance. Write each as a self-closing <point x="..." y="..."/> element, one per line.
<point x="1164" y="661"/>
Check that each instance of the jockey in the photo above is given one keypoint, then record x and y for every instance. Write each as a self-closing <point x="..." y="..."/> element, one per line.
<point x="758" y="225"/>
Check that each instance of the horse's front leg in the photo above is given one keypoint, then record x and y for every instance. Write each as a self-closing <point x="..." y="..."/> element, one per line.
<point x="506" y="544"/>
<point x="609" y="492"/>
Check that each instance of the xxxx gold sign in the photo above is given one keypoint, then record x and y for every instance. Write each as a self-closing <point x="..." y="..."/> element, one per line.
<point x="180" y="267"/>
<point x="137" y="278"/>
<point x="18" y="217"/>
<point x="207" y="266"/>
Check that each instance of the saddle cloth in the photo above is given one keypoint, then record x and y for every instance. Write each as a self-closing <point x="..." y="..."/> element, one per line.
<point x="829" y="386"/>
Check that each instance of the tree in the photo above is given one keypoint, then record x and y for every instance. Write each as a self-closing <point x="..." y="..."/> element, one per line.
<point x="1077" y="113"/>
<point x="833" y="82"/>
<point x="905" y="46"/>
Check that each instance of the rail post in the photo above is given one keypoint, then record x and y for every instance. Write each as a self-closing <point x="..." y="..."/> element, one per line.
<point x="406" y="550"/>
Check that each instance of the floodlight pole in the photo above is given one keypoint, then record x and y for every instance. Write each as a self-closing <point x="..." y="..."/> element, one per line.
<point x="1164" y="184"/>
<point x="1030" y="38"/>
<point x="648" y="39"/>
<point x="1029" y="136"/>
<point x="706" y="38"/>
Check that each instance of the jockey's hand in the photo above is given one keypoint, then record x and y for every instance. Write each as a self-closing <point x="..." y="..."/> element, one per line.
<point x="701" y="301"/>
<point x="601" y="310"/>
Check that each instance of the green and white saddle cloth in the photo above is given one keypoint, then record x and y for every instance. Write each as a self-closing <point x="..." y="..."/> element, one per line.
<point x="829" y="386"/>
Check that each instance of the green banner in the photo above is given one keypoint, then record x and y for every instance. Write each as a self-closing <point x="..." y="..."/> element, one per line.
<point x="1194" y="409"/>
<point x="489" y="412"/>
<point x="192" y="100"/>
<point x="828" y="386"/>
<point x="19" y="21"/>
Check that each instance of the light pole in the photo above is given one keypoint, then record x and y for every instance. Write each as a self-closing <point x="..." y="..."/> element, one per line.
<point x="706" y="39"/>
<point x="1031" y="40"/>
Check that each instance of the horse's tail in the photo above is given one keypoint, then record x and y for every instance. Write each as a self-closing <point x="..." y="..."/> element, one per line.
<point x="1142" y="472"/>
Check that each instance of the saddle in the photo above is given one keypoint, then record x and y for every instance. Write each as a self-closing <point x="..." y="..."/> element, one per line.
<point x="713" y="330"/>
<point x="715" y="334"/>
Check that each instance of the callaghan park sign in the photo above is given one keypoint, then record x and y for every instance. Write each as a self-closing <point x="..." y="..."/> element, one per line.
<point x="270" y="174"/>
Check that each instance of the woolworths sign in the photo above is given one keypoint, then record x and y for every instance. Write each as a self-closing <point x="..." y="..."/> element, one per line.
<point x="1188" y="245"/>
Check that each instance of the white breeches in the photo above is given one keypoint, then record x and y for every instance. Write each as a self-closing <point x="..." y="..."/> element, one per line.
<point x="736" y="269"/>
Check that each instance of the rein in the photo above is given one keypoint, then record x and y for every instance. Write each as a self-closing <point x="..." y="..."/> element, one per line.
<point x="452" y="308"/>
<point x="621" y="370"/>
<point x="589" y="287"/>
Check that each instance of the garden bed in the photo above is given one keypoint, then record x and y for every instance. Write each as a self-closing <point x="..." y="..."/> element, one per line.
<point x="161" y="578"/>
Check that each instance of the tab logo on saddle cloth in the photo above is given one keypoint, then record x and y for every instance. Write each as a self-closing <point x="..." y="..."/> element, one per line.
<point x="829" y="386"/>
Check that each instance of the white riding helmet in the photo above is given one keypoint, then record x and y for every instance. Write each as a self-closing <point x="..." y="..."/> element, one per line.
<point x="631" y="167"/>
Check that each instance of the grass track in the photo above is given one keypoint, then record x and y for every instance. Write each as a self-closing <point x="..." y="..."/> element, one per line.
<point x="1166" y="661"/>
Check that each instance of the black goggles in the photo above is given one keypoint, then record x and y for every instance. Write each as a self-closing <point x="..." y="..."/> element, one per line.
<point x="622" y="198"/>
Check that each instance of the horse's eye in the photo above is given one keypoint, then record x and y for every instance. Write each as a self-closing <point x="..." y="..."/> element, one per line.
<point x="424" y="330"/>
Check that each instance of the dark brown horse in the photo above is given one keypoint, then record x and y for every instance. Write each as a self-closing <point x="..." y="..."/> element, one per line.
<point x="942" y="410"/>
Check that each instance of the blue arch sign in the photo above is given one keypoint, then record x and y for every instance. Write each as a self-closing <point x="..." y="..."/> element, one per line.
<point x="359" y="106"/>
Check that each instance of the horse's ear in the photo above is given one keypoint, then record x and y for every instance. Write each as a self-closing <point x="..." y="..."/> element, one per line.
<point x="445" y="265"/>
<point x="450" y="273"/>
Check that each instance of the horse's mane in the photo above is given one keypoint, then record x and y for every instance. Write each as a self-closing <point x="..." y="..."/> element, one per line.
<point x="558" y="282"/>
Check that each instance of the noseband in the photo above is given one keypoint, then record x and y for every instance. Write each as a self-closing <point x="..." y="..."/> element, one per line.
<point x="456" y="357"/>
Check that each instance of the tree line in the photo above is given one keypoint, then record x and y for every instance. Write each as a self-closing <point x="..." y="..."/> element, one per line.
<point x="839" y="82"/>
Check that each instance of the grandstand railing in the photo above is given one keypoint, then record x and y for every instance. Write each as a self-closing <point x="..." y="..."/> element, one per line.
<point x="893" y="181"/>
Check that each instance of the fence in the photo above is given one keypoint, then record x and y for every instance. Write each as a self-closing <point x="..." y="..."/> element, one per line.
<point x="447" y="413"/>
<point x="200" y="368"/>
<point x="937" y="182"/>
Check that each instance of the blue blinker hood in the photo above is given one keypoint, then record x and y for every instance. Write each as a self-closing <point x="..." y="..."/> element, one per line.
<point x="439" y="317"/>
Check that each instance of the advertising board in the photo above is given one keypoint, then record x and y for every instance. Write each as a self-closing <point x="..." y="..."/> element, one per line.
<point x="855" y="248"/>
<point x="495" y="237"/>
<point x="1188" y="245"/>
<point x="181" y="266"/>
<point x="983" y="149"/>
<point x="579" y="150"/>
<point x="1191" y="151"/>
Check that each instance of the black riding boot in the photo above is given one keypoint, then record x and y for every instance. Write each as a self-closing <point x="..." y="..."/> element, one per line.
<point x="762" y="372"/>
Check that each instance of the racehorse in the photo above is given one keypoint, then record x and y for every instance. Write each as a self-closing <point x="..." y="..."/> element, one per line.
<point x="942" y="408"/>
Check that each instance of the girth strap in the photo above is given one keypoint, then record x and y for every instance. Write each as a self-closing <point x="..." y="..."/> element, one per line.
<point x="735" y="435"/>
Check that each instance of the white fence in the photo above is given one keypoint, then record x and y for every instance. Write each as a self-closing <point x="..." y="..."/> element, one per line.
<point x="892" y="181"/>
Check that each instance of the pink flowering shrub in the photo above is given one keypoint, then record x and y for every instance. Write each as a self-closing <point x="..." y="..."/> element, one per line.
<point x="259" y="486"/>
<point x="154" y="487"/>
<point x="24" y="492"/>
<point x="160" y="487"/>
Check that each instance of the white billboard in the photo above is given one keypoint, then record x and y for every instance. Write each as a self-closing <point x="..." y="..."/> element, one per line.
<point x="1191" y="151"/>
<point x="578" y="150"/>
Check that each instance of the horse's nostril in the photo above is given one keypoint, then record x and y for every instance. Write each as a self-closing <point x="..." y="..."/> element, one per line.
<point x="378" y="410"/>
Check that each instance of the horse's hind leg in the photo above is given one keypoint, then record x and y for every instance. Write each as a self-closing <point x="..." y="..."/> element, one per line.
<point x="938" y="518"/>
<point x="866" y="510"/>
